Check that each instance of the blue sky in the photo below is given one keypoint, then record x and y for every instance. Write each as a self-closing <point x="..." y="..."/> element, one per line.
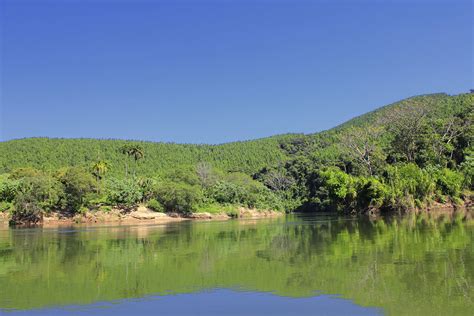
<point x="218" y="71"/>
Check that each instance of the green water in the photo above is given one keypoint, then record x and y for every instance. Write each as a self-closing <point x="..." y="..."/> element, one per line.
<point x="405" y="266"/>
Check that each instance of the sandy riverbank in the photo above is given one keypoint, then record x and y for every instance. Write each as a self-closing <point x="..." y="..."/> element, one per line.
<point x="139" y="216"/>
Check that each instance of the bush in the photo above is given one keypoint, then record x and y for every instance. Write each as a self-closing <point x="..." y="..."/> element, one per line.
<point x="83" y="210"/>
<point x="242" y="190"/>
<point x="185" y="175"/>
<point x="5" y="206"/>
<point x="8" y="188"/>
<point x="333" y="190"/>
<point x="215" y="208"/>
<point x="155" y="206"/>
<point x="105" y="208"/>
<point x="226" y="192"/>
<point x="449" y="182"/>
<point x="123" y="192"/>
<point x="467" y="168"/>
<point x="178" y="197"/>
<point x="371" y="193"/>
<point x="147" y="188"/>
<point x="36" y="195"/>
<point x="94" y="200"/>
<point x="409" y="180"/>
<point x="77" y="184"/>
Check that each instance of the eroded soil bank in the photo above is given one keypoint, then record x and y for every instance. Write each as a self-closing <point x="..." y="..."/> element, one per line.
<point x="138" y="216"/>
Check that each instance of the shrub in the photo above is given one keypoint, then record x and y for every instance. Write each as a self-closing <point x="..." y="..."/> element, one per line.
<point x="240" y="189"/>
<point x="123" y="192"/>
<point x="449" y="182"/>
<point x="409" y="180"/>
<point x="185" y="175"/>
<point x="371" y="193"/>
<point x="226" y="192"/>
<point x="77" y="184"/>
<point x="8" y="188"/>
<point x="5" y="206"/>
<point x="82" y="210"/>
<point x="94" y="200"/>
<point x="334" y="190"/>
<point x="155" y="206"/>
<point x="467" y="168"/>
<point x="216" y="208"/>
<point x="36" y="195"/>
<point x="147" y="188"/>
<point x="178" y="197"/>
<point x="105" y="208"/>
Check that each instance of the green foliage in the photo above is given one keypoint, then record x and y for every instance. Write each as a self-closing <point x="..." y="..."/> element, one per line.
<point x="409" y="180"/>
<point x="155" y="206"/>
<point x="467" y="168"/>
<point x="5" y="206"/>
<point x="8" y="188"/>
<point x="78" y="183"/>
<point x="240" y="189"/>
<point x="449" y="182"/>
<point x="36" y="195"/>
<point x="105" y="208"/>
<point x="371" y="193"/>
<point x="45" y="153"/>
<point x="226" y="192"/>
<point x="216" y="208"/>
<point x="334" y="190"/>
<point x="399" y="156"/>
<point x="178" y="196"/>
<point x="123" y="192"/>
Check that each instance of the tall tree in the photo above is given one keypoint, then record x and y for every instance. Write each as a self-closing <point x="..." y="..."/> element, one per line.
<point x="99" y="169"/>
<point x="135" y="152"/>
<point x="362" y="145"/>
<point x="406" y="123"/>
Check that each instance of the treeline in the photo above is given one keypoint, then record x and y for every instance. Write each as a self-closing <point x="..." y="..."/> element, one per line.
<point x="30" y="193"/>
<point x="52" y="154"/>
<point x="409" y="154"/>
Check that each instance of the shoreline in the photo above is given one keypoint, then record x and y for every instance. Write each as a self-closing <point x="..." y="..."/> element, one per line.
<point x="141" y="215"/>
<point x="144" y="215"/>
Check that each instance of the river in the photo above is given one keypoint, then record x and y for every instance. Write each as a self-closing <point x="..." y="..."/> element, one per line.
<point x="294" y="265"/>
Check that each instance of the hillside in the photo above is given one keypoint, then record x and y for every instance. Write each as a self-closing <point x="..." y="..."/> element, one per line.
<point x="48" y="153"/>
<point x="410" y="154"/>
<point x="247" y="156"/>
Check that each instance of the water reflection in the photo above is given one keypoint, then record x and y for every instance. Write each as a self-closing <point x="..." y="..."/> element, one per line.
<point x="420" y="264"/>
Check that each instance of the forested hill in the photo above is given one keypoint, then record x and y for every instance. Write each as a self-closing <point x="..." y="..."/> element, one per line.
<point x="53" y="153"/>
<point x="247" y="156"/>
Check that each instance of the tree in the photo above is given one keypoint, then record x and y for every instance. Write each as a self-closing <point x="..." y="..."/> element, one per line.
<point x="362" y="145"/>
<point x="136" y="152"/>
<point x="99" y="169"/>
<point x="178" y="197"/>
<point x="34" y="196"/>
<point x="77" y="183"/>
<point x="275" y="179"/>
<point x="123" y="192"/>
<point x="406" y="124"/>
<point x="205" y="173"/>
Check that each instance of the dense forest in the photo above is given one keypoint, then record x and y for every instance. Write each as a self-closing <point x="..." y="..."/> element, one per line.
<point x="410" y="154"/>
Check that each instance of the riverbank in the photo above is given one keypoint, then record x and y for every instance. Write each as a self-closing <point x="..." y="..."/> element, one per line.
<point x="140" y="215"/>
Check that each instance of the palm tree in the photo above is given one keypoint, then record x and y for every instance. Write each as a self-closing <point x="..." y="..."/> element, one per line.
<point x="99" y="169"/>
<point x="132" y="151"/>
<point x="137" y="153"/>
<point x="125" y="149"/>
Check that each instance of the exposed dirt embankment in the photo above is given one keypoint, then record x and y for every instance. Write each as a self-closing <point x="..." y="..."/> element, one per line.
<point x="139" y="216"/>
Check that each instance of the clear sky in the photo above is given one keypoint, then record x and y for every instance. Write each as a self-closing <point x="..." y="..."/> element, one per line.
<point x="217" y="71"/>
